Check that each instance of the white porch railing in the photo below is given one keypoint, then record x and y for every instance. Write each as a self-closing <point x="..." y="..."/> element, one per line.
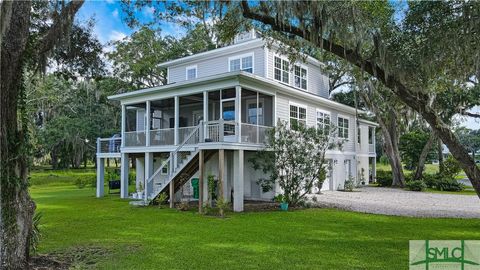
<point x="254" y="133"/>
<point x="162" y="136"/>
<point x="371" y="148"/>
<point x="135" y="138"/>
<point x="214" y="131"/>
<point x="109" y="145"/>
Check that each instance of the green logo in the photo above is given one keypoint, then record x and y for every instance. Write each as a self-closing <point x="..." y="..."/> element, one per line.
<point x="444" y="254"/>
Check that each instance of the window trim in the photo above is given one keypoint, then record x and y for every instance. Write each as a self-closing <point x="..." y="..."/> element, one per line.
<point x="325" y="112"/>
<point x="298" y="105"/>
<point x="190" y="68"/>
<point x="282" y="58"/>
<point x="338" y="126"/>
<point x="240" y="56"/>
<point x="306" y="77"/>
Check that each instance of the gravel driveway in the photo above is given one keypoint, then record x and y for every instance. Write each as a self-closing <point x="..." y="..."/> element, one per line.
<point x="390" y="201"/>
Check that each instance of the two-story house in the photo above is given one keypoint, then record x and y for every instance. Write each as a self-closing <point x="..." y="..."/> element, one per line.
<point x="212" y="116"/>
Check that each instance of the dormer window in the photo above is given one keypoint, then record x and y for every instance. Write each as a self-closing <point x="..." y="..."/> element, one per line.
<point x="242" y="62"/>
<point x="191" y="72"/>
<point x="300" y="77"/>
<point x="282" y="70"/>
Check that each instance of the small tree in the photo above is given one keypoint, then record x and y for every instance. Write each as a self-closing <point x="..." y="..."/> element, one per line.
<point x="295" y="158"/>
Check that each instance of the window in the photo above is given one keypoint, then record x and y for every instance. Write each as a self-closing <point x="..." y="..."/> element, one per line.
<point x="358" y="135"/>
<point x="244" y="63"/>
<point x="255" y="114"/>
<point x="281" y="70"/>
<point x="191" y="72"/>
<point x="298" y="116"/>
<point x="300" y="77"/>
<point x="342" y="127"/>
<point x="323" y="122"/>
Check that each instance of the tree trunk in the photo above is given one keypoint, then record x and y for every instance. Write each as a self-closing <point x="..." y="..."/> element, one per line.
<point x="390" y="136"/>
<point x="423" y="157"/>
<point x="440" y="156"/>
<point x="16" y="206"/>
<point x="388" y="126"/>
<point x="54" y="157"/>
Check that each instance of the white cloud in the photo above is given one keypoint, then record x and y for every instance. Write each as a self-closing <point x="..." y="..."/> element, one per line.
<point x="116" y="35"/>
<point x="148" y="12"/>
<point x="115" y="13"/>
<point x="110" y="1"/>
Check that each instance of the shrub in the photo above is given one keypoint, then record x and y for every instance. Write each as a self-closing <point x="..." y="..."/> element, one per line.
<point x="222" y="205"/>
<point x="384" y="178"/>
<point x="384" y="160"/>
<point x="161" y="199"/>
<point x="451" y="167"/>
<point x="34" y="234"/>
<point x="447" y="184"/>
<point x="83" y="180"/>
<point x="349" y="184"/>
<point x="416" y="185"/>
<point x="279" y="198"/>
<point x="183" y="206"/>
<point x="430" y="180"/>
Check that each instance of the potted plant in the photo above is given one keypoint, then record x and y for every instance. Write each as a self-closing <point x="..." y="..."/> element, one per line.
<point x="281" y="200"/>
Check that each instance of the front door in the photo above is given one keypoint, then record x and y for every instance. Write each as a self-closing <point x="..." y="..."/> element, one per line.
<point x="227" y="110"/>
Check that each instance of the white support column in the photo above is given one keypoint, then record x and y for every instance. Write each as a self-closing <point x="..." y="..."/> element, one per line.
<point x="205" y="113"/>
<point x="124" y="168"/>
<point x="339" y="172"/>
<point x="140" y="172"/>
<point x="148" y="125"/>
<point x="238" y="188"/>
<point x="100" y="177"/>
<point x="124" y="121"/>
<point x="177" y="118"/>
<point x="148" y="187"/>
<point x="238" y="110"/>
<point x="374" y="169"/>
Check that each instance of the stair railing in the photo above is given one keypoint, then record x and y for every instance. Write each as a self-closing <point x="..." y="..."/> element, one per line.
<point x="172" y="158"/>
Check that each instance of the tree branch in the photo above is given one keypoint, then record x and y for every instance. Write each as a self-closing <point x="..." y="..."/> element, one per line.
<point x="61" y="24"/>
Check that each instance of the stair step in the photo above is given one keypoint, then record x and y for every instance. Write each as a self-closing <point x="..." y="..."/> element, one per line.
<point x="139" y="203"/>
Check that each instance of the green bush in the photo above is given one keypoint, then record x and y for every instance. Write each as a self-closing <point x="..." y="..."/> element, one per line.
<point x="83" y="180"/>
<point x="416" y="185"/>
<point x="384" y="160"/>
<point x="349" y="185"/>
<point x="279" y="198"/>
<point x="430" y="180"/>
<point x="384" y="178"/>
<point x="447" y="184"/>
<point x="451" y="167"/>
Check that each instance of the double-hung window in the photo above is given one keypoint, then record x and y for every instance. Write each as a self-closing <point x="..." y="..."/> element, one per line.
<point x="300" y="77"/>
<point x="342" y="127"/>
<point x="298" y="116"/>
<point x="244" y="63"/>
<point x="323" y="122"/>
<point x="191" y="72"/>
<point x="281" y="70"/>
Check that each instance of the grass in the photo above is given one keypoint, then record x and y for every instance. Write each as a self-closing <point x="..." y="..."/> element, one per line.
<point x="466" y="191"/>
<point x="429" y="168"/>
<point x="148" y="238"/>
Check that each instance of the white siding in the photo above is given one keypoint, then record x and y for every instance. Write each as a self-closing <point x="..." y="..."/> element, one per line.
<point x="218" y="65"/>
<point x="317" y="81"/>
<point x="283" y="113"/>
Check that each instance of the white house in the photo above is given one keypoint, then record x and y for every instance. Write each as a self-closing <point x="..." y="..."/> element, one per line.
<point x="212" y="115"/>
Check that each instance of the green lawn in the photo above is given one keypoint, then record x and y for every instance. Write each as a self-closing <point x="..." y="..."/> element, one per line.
<point x="147" y="238"/>
<point x="429" y="168"/>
